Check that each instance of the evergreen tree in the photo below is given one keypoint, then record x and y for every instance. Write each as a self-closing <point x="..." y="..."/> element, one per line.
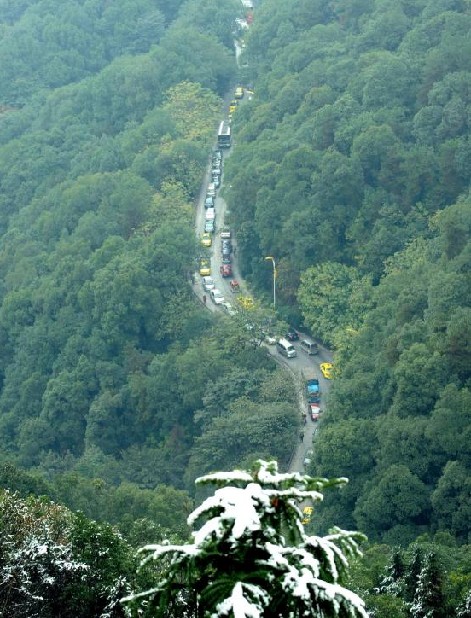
<point x="57" y="563"/>
<point x="412" y="574"/>
<point x="464" y="609"/>
<point x="429" y="600"/>
<point x="251" y="556"/>
<point x="393" y="582"/>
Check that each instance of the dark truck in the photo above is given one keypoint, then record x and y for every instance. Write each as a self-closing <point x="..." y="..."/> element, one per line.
<point x="313" y="390"/>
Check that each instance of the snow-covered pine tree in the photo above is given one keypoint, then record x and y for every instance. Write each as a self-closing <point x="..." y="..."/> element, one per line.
<point x="412" y="573"/>
<point x="57" y="563"/>
<point x="429" y="600"/>
<point x="393" y="581"/>
<point x="251" y="557"/>
<point x="464" y="609"/>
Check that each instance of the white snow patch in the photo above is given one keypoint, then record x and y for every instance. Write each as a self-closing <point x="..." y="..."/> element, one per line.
<point x="237" y="604"/>
<point x="235" y="475"/>
<point x="236" y="507"/>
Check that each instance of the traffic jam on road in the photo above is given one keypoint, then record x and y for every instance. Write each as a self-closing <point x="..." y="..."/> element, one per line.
<point x="216" y="270"/>
<point x="286" y="347"/>
<point x="213" y="282"/>
<point x="224" y="270"/>
<point x="217" y="254"/>
<point x="207" y="238"/>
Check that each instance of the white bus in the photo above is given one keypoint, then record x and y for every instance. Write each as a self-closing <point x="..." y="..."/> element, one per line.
<point x="224" y="135"/>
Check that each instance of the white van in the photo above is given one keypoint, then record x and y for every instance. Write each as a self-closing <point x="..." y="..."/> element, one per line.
<point x="210" y="214"/>
<point x="308" y="346"/>
<point x="211" y="190"/>
<point x="286" y="348"/>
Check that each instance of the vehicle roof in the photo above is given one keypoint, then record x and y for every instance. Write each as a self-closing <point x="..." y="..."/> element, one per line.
<point x="284" y="341"/>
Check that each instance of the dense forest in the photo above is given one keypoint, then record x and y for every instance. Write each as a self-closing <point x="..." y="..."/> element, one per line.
<point x="351" y="166"/>
<point x="109" y="368"/>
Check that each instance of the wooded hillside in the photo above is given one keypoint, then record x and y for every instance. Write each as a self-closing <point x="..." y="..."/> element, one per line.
<point x="106" y="360"/>
<point x="352" y="168"/>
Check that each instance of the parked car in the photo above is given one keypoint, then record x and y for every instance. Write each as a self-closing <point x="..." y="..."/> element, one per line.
<point x="205" y="267"/>
<point x="313" y="389"/>
<point x="228" y="308"/>
<point x="226" y="259"/>
<point x="307" y="461"/>
<point x="216" y="296"/>
<point x="225" y="232"/>
<point x="314" y="411"/>
<point x="209" y="201"/>
<point x="234" y="285"/>
<point x="206" y="239"/>
<point x="208" y="283"/>
<point x="327" y="370"/>
<point x="292" y="335"/>
<point x="286" y="348"/>
<point x="216" y="181"/>
<point x="314" y="398"/>
<point x="217" y="155"/>
<point x="209" y="226"/>
<point x="225" y="270"/>
<point x="210" y="214"/>
<point x="310" y="347"/>
<point x="307" y="510"/>
<point x="211" y="189"/>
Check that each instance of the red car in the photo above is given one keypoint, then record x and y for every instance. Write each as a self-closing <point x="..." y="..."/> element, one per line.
<point x="314" y="411"/>
<point x="225" y="270"/>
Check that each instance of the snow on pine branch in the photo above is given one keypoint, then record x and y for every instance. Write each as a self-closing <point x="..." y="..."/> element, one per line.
<point x="251" y="554"/>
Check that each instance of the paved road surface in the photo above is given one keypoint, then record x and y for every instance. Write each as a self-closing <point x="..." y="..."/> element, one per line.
<point x="295" y="365"/>
<point x="221" y="283"/>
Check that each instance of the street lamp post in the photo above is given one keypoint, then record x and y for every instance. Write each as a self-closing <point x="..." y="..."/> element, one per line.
<point x="272" y="260"/>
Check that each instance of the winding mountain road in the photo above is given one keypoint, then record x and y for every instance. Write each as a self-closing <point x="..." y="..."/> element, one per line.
<point x="297" y="365"/>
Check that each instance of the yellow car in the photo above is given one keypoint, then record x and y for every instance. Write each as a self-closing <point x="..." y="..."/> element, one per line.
<point x="246" y="302"/>
<point x="239" y="93"/>
<point x="307" y="513"/>
<point x="205" y="268"/>
<point x="327" y="370"/>
<point x="206" y="240"/>
<point x="232" y="107"/>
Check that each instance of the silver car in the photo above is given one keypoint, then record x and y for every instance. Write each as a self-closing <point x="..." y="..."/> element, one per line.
<point x="208" y="283"/>
<point x="216" y="296"/>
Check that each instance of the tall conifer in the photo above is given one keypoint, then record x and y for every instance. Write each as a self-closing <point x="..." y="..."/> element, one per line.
<point x="251" y="556"/>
